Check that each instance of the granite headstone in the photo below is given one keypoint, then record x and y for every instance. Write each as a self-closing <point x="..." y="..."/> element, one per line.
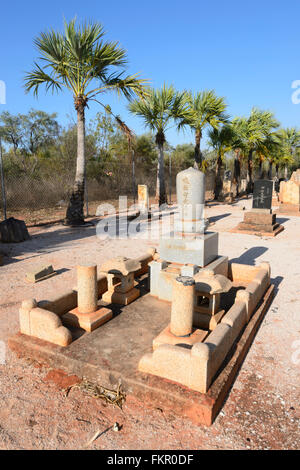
<point x="262" y="194"/>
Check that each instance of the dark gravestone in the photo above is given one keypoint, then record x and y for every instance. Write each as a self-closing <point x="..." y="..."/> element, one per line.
<point x="13" y="231"/>
<point x="262" y="194"/>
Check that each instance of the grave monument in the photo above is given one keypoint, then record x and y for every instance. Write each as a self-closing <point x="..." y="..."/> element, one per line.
<point x="189" y="248"/>
<point x="197" y="340"/>
<point x="143" y="199"/>
<point x="260" y="220"/>
<point x="289" y="195"/>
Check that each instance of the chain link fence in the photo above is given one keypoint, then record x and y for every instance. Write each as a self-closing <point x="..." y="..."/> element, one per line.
<point x="38" y="197"/>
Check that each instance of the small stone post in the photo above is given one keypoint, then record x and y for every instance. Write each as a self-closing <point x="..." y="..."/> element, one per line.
<point x="87" y="291"/>
<point x="182" y="306"/>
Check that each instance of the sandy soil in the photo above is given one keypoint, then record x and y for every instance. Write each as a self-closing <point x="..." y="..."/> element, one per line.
<point x="262" y="410"/>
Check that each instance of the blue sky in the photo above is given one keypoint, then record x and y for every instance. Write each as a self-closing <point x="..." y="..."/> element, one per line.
<point x="248" y="52"/>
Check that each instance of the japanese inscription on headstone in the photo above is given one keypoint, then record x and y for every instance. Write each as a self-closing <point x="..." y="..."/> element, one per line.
<point x="262" y="194"/>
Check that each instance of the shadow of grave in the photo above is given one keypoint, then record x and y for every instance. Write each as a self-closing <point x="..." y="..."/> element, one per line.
<point x="215" y="218"/>
<point x="249" y="256"/>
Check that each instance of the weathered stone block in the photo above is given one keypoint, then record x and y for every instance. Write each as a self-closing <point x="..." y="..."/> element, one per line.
<point x="289" y="208"/>
<point x="87" y="321"/>
<point x="168" y="361"/>
<point x="155" y="268"/>
<point x="199" y="250"/>
<point x="113" y="297"/>
<point x="145" y="260"/>
<point x="236" y="318"/>
<point x="261" y="218"/>
<point x="60" y="304"/>
<point x="258" y="228"/>
<point x="166" y="337"/>
<point x="126" y="284"/>
<point x="290" y="192"/>
<point x="42" y="324"/>
<point x="43" y="272"/>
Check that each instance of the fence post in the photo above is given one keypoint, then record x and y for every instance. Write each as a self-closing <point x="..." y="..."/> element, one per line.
<point x="2" y="182"/>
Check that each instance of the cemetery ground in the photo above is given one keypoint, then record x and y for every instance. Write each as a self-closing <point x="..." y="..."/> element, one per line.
<point x="262" y="409"/>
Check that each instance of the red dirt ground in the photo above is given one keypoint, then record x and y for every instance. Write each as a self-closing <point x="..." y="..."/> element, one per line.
<point x="262" y="410"/>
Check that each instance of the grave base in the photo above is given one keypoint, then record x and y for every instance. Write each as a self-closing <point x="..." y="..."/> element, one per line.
<point x="259" y="230"/>
<point x="112" y="352"/>
<point x="120" y="298"/>
<point x="87" y="321"/>
<point x="289" y="209"/>
<point x="166" y="337"/>
<point x="261" y="222"/>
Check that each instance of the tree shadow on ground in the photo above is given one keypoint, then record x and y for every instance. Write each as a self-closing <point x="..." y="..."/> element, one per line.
<point x="61" y="237"/>
<point x="45" y="242"/>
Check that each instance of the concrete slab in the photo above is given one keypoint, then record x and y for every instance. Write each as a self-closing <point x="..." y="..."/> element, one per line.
<point x="106" y="356"/>
<point x="259" y="233"/>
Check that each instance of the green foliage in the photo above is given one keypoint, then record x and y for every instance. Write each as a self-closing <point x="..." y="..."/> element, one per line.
<point x="205" y="108"/>
<point x="183" y="155"/>
<point x="11" y="129"/>
<point x="145" y="150"/>
<point x="251" y="133"/>
<point x="289" y="139"/>
<point x="103" y="128"/>
<point x="40" y="130"/>
<point x="31" y="132"/>
<point x="160" y="109"/>
<point x="221" y="139"/>
<point x="80" y="60"/>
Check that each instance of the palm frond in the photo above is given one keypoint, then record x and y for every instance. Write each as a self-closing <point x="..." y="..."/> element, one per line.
<point x="78" y="57"/>
<point x="38" y="77"/>
<point x="125" y="130"/>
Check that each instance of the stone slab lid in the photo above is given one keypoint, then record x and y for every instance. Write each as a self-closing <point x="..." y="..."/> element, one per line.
<point x="121" y="265"/>
<point x="210" y="283"/>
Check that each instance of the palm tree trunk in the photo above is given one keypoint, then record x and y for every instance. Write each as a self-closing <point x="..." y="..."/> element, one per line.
<point x="249" y="172"/>
<point x="260" y="168"/>
<point x="277" y="170"/>
<point x="160" y="179"/>
<point x="74" y="215"/>
<point x="237" y="171"/>
<point x="198" y="153"/>
<point x="218" y="180"/>
<point x="270" y="170"/>
<point x="285" y="172"/>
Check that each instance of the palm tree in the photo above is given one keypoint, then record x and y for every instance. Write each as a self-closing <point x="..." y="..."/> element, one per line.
<point x="290" y="140"/>
<point x="161" y="108"/>
<point x="206" y="109"/>
<point x="83" y="63"/>
<point x="254" y="131"/>
<point x="268" y="150"/>
<point x="221" y="140"/>
<point x="238" y="145"/>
